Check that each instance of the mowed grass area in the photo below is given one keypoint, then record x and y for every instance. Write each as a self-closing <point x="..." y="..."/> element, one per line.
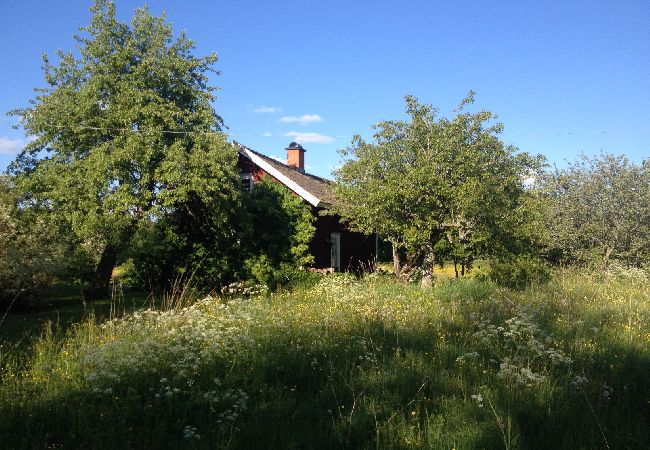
<point x="349" y="364"/>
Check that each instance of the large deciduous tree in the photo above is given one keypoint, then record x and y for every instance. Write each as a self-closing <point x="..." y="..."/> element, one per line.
<point x="124" y="132"/>
<point x="599" y="211"/>
<point x="434" y="186"/>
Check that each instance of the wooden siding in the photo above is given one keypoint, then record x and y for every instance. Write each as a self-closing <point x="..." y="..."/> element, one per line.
<point x="357" y="249"/>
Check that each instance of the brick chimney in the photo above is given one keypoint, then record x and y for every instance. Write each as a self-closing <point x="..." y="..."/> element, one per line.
<point x="296" y="156"/>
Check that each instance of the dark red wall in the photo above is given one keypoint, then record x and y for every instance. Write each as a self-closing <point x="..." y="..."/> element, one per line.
<point x="245" y="165"/>
<point x="357" y="249"/>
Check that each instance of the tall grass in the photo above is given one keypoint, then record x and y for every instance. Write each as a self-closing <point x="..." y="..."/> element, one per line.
<point x="349" y="364"/>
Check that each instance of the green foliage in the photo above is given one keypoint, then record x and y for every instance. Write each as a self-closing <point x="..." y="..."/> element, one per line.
<point x="519" y="272"/>
<point x="153" y="256"/>
<point x="124" y="132"/>
<point x="280" y="229"/>
<point x="434" y="183"/>
<point x="205" y="238"/>
<point x="191" y="242"/>
<point x="35" y="250"/>
<point x="267" y="242"/>
<point x="598" y="210"/>
<point x="349" y="364"/>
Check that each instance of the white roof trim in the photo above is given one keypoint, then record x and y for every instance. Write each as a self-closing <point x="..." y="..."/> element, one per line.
<point x="295" y="187"/>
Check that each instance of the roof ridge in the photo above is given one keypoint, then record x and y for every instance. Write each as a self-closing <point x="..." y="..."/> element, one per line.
<point x="326" y="180"/>
<point x="314" y="189"/>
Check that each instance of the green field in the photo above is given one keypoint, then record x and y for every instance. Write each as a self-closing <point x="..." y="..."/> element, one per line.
<point x="348" y="364"/>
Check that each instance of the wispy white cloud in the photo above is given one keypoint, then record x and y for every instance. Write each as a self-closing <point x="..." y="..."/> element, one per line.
<point x="267" y="109"/>
<point x="267" y="134"/>
<point x="302" y="120"/>
<point x="10" y="146"/>
<point x="309" y="138"/>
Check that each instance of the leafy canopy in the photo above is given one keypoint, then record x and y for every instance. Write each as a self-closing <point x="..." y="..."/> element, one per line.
<point x="435" y="184"/>
<point x="124" y="131"/>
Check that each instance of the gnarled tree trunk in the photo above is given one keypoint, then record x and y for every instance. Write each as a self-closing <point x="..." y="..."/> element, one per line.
<point x="427" y="268"/>
<point x="100" y="283"/>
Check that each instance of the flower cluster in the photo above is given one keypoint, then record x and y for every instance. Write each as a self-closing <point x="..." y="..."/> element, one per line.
<point x="523" y="352"/>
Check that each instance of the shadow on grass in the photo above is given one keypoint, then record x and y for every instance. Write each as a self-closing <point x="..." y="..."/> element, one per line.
<point x="62" y="307"/>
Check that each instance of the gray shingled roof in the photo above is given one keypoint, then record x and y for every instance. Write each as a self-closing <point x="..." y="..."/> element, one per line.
<point x="317" y="186"/>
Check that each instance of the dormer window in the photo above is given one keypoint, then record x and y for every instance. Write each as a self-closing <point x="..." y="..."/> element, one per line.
<point x="246" y="181"/>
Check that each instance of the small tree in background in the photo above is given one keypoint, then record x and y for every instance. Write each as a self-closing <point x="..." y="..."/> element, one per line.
<point x="435" y="186"/>
<point x="35" y="249"/>
<point x="124" y="133"/>
<point x="598" y="210"/>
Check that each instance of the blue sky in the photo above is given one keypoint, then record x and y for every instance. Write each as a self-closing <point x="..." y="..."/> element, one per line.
<point x="564" y="77"/>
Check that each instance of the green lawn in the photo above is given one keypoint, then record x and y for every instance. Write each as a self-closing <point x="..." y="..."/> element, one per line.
<point x="349" y="364"/>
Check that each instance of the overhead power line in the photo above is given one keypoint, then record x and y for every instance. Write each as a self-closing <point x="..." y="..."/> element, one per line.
<point x="185" y="132"/>
<point x="136" y="130"/>
<point x="152" y="130"/>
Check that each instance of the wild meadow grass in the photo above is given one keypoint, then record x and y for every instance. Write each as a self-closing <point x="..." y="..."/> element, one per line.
<point x="349" y="364"/>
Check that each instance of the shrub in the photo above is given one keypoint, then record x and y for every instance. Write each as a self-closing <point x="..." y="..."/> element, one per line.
<point x="518" y="273"/>
<point x="35" y="249"/>
<point x="281" y="227"/>
<point x="262" y="270"/>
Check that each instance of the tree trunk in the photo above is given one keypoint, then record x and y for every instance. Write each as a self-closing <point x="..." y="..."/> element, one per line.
<point x="605" y="261"/>
<point x="456" y="268"/>
<point x="397" y="267"/>
<point x="427" y="269"/>
<point x="100" y="284"/>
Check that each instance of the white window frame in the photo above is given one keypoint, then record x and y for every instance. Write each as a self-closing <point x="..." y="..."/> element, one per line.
<point x="335" y="244"/>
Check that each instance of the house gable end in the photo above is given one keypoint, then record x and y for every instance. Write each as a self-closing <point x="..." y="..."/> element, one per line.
<point x="267" y="167"/>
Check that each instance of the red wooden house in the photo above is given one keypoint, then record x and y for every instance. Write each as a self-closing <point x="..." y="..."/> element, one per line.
<point x="333" y="246"/>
